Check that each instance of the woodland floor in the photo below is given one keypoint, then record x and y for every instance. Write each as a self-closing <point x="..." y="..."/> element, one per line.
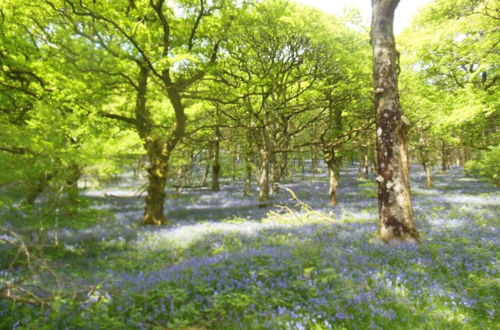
<point x="224" y="263"/>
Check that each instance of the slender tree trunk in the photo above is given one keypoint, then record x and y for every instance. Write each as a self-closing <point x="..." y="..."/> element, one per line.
<point x="264" y="168"/>
<point x="333" y="164"/>
<point x="216" y="161"/>
<point x="207" y="167"/>
<point x="248" y="154"/>
<point x="284" y="172"/>
<point x="373" y="158"/>
<point x="363" y="165"/>
<point x="192" y="163"/>
<point x="302" y="166"/>
<point x="314" y="159"/>
<point x="366" y="166"/>
<point x="247" y="189"/>
<point x="275" y="175"/>
<point x="424" y="157"/>
<point x="395" y="212"/>
<point x="72" y="191"/>
<point x="428" y="175"/>
<point x="444" y="157"/>
<point x="233" y="166"/>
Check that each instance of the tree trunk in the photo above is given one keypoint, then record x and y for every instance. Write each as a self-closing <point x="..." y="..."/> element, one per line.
<point x="207" y="167"/>
<point x="72" y="191"/>
<point x="363" y="165"/>
<point x="302" y="166"/>
<point x="158" y="147"/>
<point x="216" y="161"/>
<point x="424" y="157"/>
<point x="373" y="158"/>
<point x="444" y="157"/>
<point x="233" y="166"/>
<point x="333" y="164"/>
<point x="264" y="168"/>
<point x="395" y="213"/>
<point x="428" y="176"/>
<point x="314" y="159"/>
<point x="247" y="189"/>
<point x="284" y="172"/>
<point x="37" y="188"/>
<point x="248" y="153"/>
<point x="155" y="198"/>
<point x="275" y="175"/>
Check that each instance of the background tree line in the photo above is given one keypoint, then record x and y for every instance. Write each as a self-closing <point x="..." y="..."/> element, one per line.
<point x="196" y="90"/>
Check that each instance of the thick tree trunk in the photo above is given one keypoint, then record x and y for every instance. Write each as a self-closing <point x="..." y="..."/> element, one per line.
<point x="157" y="177"/>
<point x="159" y="147"/>
<point x="395" y="213"/>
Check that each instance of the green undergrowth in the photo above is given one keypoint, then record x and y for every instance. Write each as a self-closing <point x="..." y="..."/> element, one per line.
<point x="290" y="270"/>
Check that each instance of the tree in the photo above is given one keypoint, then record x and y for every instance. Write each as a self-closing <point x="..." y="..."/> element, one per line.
<point x="452" y="72"/>
<point x="263" y="83"/>
<point x="48" y="137"/>
<point x="159" y="50"/>
<point x="395" y="213"/>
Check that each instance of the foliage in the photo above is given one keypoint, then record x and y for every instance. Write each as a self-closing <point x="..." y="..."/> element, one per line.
<point x="487" y="165"/>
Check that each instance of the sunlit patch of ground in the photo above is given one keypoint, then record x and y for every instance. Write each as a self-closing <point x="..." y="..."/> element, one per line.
<point x="224" y="263"/>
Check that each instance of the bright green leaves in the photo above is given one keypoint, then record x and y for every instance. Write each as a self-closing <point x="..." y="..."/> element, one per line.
<point x="450" y="71"/>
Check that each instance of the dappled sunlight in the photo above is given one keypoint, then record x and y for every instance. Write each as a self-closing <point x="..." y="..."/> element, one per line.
<point x="287" y="267"/>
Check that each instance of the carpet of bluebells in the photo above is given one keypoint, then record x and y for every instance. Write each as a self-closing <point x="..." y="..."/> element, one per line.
<point x="224" y="263"/>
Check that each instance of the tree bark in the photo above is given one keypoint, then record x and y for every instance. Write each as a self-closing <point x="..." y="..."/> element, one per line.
<point x="314" y="159"/>
<point x="157" y="177"/>
<point x="216" y="161"/>
<point x="363" y="165"/>
<point x="264" y="168"/>
<point x="333" y="164"/>
<point x="37" y="188"/>
<point x="275" y="175"/>
<point x="445" y="157"/>
<point x="207" y="167"/>
<point x="248" y="153"/>
<point x="395" y="212"/>
<point x="72" y="191"/>
<point x="424" y="158"/>
<point x="247" y="189"/>
<point x="158" y="149"/>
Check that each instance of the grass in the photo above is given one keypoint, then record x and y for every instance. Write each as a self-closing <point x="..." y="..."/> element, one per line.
<point x="285" y="269"/>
